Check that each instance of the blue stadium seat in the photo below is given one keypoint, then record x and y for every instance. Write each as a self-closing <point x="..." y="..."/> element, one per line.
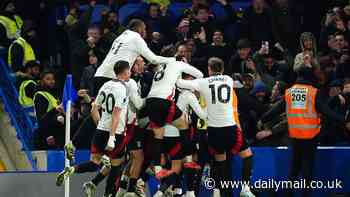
<point x="128" y="10"/>
<point x="218" y="11"/>
<point x="177" y="9"/>
<point x="96" y="15"/>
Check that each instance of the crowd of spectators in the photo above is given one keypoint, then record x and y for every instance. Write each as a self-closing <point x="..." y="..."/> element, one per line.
<point x="262" y="45"/>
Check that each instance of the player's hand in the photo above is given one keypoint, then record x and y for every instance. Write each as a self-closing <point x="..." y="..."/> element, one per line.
<point x="111" y="143"/>
<point x="263" y="134"/>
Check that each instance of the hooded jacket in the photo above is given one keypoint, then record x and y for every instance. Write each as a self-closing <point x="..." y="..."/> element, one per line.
<point x="299" y="58"/>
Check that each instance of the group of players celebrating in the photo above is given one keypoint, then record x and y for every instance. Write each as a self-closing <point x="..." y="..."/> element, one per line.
<point x="139" y="137"/>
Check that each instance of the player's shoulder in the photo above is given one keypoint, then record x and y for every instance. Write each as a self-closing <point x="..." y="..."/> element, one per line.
<point x="131" y="83"/>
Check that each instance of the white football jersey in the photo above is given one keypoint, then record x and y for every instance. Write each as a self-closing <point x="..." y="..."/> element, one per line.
<point x="187" y="100"/>
<point x="128" y="46"/>
<point x="218" y="93"/>
<point x="164" y="80"/>
<point x="135" y="100"/>
<point x="112" y="94"/>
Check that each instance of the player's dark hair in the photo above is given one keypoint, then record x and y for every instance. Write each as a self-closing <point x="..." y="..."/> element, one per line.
<point x="168" y="51"/>
<point x="216" y="64"/>
<point x="120" y="67"/>
<point x="134" y="24"/>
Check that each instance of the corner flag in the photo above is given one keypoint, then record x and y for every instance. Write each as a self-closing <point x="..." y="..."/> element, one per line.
<point x="69" y="92"/>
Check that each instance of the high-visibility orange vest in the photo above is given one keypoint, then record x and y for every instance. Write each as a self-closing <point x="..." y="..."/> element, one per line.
<point x="235" y="108"/>
<point x="303" y="120"/>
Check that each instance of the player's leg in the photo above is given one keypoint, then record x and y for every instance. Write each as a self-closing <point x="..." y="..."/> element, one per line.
<point x="247" y="157"/>
<point x="99" y="142"/>
<point x="157" y="110"/>
<point x="173" y="148"/>
<point x="222" y="142"/>
<point x="117" y="157"/>
<point x="137" y="159"/>
<point x="90" y="186"/>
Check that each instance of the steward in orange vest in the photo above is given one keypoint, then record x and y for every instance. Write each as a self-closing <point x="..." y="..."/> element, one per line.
<point x="303" y="106"/>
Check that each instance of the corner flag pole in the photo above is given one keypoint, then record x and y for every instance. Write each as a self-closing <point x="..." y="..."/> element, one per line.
<point x="67" y="101"/>
<point x="67" y="164"/>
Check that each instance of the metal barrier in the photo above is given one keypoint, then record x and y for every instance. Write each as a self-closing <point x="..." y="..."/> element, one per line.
<point x="18" y="116"/>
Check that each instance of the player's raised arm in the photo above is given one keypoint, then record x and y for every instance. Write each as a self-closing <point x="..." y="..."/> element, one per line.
<point x="134" y="95"/>
<point x="188" y="69"/>
<point x="145" y="52"/>
<point x="188" y="84"/>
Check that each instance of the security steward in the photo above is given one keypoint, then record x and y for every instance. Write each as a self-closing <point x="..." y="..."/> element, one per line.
<point x="49" y="114"/>
<point x="20" y="51"/>
<point x="10" y="23"/>
<point x="28" y="85"/>
<point x="303" y="106"/>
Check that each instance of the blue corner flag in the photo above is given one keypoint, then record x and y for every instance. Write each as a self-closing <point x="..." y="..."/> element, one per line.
<point x="69" y="92"/>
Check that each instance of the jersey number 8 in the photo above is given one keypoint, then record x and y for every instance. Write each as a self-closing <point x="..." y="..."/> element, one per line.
<point x="159" y="74"/>
<point x="220" y="93"/>
<point x="108" y="100"/>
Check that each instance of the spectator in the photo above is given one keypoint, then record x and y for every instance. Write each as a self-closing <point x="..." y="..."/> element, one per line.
<point x="83" y="38"/>
<point x="28" y="85"/>
<point x="50" y="134"/>
<point x="285" y="24"/>
<point x="238" y="60"/>
<point x="183" y="30"/>
<point x="333" y="133"/>
<point x="202" y="20"/>
<point x="308" y="47"/>
<point x="156" y="42"/>
<point x="110" y="24"/>
<point x="80" y="51"/>
<point x="157" y="19"/>
<point x="219" y="48"/>
<point x="10" y="23"/>
<point x="257" y="24"/>
<point x="21" y="51"/>
<point x="274" y="132"/>
<point x="87" y="77"/>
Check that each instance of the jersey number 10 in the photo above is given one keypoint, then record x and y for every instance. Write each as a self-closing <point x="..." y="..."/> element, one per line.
<point x="220" y="91"/>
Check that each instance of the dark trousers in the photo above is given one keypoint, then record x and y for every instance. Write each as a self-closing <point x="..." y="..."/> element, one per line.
<point x="303" y="158"/>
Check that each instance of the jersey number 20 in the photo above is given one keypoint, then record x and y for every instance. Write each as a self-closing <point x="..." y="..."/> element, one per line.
<point x="220" y="91"/>
<point x="108" y="100"/>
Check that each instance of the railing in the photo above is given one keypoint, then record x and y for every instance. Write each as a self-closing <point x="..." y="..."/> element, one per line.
<point x="18" y="116"/>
